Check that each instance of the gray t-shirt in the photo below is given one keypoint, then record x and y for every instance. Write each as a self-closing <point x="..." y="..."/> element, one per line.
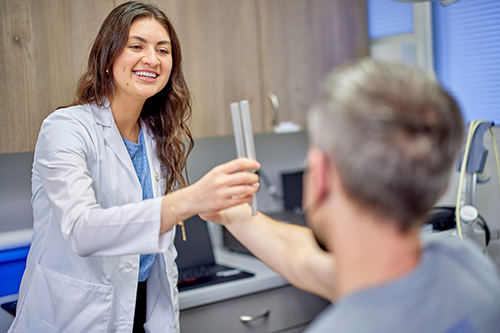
<point x="453" y="289"/>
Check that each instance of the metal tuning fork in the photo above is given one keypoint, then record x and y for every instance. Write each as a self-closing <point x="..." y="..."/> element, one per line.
<point x="243" y="136"/>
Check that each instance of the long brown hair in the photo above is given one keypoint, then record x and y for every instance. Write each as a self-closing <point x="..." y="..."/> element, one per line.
<point x="166" y="113"/>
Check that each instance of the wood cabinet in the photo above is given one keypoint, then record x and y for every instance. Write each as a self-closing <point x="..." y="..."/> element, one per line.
<point x="302" y="41"/>
<point x="285" y="309"/>
<point x="44" y="47"/>
<point x="232" y="49"/>
<point x="220" y="50"/>
<point x="241" y="49"/>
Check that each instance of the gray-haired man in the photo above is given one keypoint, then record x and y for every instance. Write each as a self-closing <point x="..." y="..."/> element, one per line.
<point x="384" y="137"/>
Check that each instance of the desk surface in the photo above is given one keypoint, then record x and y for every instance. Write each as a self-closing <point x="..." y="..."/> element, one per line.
<point x="264" y="279"/>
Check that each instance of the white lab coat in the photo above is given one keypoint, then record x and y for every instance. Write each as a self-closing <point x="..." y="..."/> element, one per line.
<point x="90" y="225"/>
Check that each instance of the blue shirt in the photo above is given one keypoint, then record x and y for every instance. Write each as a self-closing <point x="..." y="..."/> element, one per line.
<point x="138" y="154"/>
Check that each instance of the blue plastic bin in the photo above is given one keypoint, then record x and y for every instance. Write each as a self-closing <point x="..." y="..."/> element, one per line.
<point x="12" y="265"/>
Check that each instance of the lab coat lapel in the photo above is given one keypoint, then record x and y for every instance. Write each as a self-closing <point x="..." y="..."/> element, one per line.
<point x="112" y="137"/>
<point x="114" y="140"/>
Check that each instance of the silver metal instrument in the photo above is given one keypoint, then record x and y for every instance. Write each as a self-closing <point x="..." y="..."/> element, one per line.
<point x="243" y="135"/>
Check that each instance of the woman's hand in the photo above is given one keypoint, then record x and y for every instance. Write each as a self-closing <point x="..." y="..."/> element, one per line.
<point x="224" y="186"/>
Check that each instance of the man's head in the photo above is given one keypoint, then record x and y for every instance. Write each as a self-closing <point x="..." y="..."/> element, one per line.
<point x="392" y="133"/>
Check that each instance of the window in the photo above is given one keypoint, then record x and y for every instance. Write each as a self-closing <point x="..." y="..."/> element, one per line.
<point x="466" y="38"/>
<point x="400" y="31"/>
<point x="388" y="18"/>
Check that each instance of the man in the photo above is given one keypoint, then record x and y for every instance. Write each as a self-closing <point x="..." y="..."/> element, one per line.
<point x="384" y="138"/>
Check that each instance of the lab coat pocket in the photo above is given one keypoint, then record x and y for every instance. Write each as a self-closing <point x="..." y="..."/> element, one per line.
<point x="67" y="304"/>
<point x="39" y="325"/>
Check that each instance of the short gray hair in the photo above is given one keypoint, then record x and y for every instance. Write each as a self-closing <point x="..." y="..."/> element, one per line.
<point x="392" y="132"/>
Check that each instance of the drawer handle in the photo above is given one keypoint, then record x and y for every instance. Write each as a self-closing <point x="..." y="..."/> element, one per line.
<point x="252" y="318"/>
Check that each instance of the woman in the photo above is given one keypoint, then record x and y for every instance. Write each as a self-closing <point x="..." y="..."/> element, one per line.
<point x="104" y="173"/>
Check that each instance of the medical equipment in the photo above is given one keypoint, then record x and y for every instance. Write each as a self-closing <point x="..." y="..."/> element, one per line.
<point x="471" y="165"/>
<point x="243" y="135"/>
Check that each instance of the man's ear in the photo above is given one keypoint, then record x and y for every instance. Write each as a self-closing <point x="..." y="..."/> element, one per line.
<point x="319" y="174"/>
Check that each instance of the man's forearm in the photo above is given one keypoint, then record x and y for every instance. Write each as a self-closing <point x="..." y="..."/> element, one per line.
<point x="290" y="250"/>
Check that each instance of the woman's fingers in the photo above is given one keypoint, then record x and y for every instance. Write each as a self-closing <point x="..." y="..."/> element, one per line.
<point x="221" y="176"/>
<point x="240" y="190"/>
<point x="230" y="196"/>
<point x="241" y="178"/>
<point x="239" y="164"/>
<point x="225" y="186"/>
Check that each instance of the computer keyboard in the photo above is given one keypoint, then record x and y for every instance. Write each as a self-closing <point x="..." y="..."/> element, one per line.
<point x="200" y="272"/>
<point x="208" y="275"/>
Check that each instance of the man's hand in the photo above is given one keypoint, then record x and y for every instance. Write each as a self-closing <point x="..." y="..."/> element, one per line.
<point x="226" y="216"/>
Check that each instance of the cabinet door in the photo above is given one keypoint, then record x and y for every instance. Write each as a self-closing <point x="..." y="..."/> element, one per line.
<point x="220" y="60"/>
<point x="44" y="49"/>
<point x="288" y="308"/>
<point x="302" y="40"/>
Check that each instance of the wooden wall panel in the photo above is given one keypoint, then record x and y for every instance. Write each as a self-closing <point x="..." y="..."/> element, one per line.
<point x="17" y="70"/>
<point x="302" y="41"/>
<point x="45" y="44"/>
<point x="220" y="51"/>
<point x="232" y="49"/>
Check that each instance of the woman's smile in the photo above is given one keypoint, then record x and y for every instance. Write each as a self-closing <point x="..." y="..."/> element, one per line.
<point x="146" y="75"/>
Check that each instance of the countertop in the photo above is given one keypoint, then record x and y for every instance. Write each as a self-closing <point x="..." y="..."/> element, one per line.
<point x="264" y="279"/>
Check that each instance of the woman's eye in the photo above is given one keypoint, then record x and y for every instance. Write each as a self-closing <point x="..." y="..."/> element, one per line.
<point x="135" y="47"/>
<point x="163" y="51"/>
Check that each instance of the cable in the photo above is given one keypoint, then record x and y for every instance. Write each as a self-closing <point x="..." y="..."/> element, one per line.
<point x="472" y="129"/>
<point x="484" y="225"/>
<point x="486" y="233"/>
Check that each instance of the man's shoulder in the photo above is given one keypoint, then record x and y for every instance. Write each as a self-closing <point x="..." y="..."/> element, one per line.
<point x="455" y="256"/>
<point x="454" y="284"/>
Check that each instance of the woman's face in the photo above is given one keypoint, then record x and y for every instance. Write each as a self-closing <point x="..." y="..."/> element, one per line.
<point x="143" y="68"/>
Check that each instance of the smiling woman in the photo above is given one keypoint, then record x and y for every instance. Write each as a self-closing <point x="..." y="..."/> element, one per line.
<point x="121" y="32"/>
<point x="143" y="68"/>
<point x="102" y="252"/>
